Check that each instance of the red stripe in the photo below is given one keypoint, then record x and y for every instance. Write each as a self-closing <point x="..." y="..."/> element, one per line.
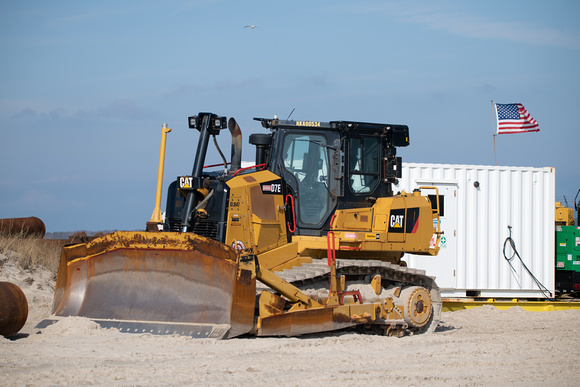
<point x="518" y="131"/>
<point x="518" y="127"/>
<point x="416" y="226"/>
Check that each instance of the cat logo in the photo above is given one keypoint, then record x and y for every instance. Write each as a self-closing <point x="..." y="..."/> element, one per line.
<point x="185" y="182"/>
<point x="397" y="221"/>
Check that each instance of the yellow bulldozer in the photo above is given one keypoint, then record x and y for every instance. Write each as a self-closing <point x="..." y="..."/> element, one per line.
<point x="308" y="239"/>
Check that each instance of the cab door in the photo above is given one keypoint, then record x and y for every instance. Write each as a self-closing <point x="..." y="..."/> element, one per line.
<point x="307" y="167"/>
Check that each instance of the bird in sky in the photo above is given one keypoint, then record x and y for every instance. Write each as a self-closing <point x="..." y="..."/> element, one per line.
<point x="250" y="26"/>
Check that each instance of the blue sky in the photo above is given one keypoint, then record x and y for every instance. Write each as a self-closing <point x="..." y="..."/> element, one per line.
<point x="85" y="87"/>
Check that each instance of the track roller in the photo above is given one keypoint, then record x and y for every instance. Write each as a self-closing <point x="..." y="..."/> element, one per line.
<point x="417" y="306"/>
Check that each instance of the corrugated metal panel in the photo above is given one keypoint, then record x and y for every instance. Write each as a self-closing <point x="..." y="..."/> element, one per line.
<point x="479" y="203"/>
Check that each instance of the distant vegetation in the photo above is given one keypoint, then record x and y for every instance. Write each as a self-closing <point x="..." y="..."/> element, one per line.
<point x="29" y="253"/>
<point x="68" y="234"/>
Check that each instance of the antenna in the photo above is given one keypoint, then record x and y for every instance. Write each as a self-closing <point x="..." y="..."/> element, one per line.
<point x="290" y="114"/>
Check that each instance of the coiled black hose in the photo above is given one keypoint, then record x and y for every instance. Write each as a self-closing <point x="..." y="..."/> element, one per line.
<point x="515" y="253"/>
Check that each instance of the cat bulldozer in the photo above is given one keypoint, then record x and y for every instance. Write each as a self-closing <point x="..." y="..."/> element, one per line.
<point x="308" y="239"/>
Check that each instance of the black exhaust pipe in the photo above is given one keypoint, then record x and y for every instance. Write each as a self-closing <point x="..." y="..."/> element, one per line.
<point x="236" y="133"/>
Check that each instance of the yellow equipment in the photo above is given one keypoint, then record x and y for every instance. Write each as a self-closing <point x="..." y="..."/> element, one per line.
<point x="310" y="239"/>
<point x="564" y="215"/>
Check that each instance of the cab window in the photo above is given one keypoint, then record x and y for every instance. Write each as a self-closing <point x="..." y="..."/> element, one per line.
<point x="363" y="159"/>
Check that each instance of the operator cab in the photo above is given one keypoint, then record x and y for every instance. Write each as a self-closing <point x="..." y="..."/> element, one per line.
<point x="330" y="165"/>
<point x="324" y="166"/>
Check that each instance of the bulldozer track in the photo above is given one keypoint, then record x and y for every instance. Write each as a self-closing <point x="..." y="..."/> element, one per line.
<point x="318" y="270"/>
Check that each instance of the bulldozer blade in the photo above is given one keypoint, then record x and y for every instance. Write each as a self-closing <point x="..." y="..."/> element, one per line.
<point x="306" y="322"/>
<point x="159" y="283"/>
<point x="198" y="331"/>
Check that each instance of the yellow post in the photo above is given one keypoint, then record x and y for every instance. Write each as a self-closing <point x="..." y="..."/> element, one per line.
<point x="156" y="217"/>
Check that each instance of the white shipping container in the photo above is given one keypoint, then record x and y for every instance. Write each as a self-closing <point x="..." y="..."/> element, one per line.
<point x="478" y="205"/>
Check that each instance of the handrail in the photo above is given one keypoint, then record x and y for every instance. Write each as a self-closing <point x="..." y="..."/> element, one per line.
<point x="293" y="213"/>
<point x="214" y="165"/>
<point x="331" y="252"/>
<point x="263" y="166"/>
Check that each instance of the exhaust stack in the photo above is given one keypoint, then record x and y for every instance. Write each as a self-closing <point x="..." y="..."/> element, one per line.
<point x="236" y="133"/>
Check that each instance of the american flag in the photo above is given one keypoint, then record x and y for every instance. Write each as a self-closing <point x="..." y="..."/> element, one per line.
<point x="514" y="118"/>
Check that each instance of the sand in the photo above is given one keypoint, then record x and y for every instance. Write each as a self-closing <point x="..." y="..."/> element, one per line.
<point x="482" y="346"/>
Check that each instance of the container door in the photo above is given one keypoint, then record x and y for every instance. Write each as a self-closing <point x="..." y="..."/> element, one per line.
<point x="444" y="264"/>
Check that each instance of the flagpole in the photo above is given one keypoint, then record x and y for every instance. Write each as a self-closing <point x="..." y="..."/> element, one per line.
<point x="493" y="131"/>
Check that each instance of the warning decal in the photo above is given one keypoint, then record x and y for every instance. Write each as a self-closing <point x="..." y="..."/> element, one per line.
<point x="238" y="245"/>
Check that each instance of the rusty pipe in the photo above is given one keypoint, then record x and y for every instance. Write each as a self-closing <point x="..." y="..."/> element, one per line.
<point x="31" y="226"/>
<point x="236" y="133"/>
<point x="13" y="309"/>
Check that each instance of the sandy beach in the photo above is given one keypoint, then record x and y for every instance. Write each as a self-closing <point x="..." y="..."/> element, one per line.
<point x="481" y="346"/>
